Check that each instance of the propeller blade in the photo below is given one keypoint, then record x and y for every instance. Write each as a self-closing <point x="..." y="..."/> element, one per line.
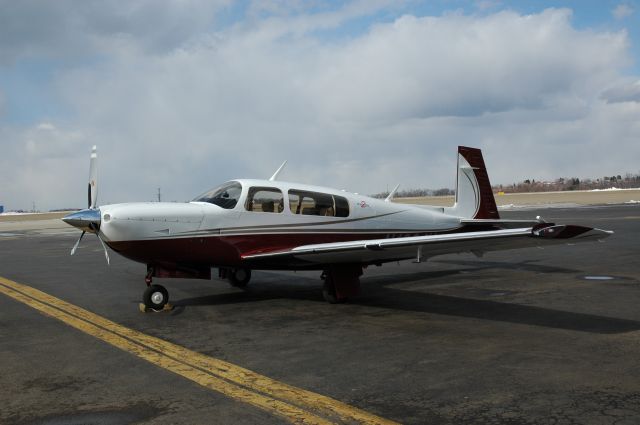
<point x="89" y="220"/>
<point x="73" y="250"/>
<point x="93" y="179"/>
<point x="106" y="254"/>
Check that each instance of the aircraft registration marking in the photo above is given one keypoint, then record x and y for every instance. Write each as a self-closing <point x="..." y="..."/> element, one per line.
<point x="291" y="403"/>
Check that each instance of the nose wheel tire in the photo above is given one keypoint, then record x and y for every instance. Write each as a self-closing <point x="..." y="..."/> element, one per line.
<point x="155" y="297"/>
<point x="239" y="277"/>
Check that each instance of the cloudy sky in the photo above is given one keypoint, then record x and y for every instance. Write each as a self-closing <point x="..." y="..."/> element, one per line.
<point x="361" y="95"/>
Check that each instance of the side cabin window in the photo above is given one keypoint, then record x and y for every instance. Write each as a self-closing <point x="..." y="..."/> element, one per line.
<point x="265" y="199"/>
<point x="225" y="196"/>
<point x="315" y="203"/>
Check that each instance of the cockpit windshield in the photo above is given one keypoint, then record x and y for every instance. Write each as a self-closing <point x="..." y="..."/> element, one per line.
<point x="225" y="196"/>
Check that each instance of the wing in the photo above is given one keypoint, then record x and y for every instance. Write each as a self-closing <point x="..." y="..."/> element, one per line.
<point x="393" y="249"/>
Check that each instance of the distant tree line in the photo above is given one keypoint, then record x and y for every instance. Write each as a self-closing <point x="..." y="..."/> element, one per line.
<point x="628" y="181"/>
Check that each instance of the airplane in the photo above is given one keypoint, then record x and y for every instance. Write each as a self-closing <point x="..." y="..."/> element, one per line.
<point x="248" y="224"/>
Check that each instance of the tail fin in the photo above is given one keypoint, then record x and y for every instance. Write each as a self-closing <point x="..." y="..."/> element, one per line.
<point x="474" y="197"/>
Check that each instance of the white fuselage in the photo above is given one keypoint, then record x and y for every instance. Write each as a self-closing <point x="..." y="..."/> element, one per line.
<point x="199" y="231"/>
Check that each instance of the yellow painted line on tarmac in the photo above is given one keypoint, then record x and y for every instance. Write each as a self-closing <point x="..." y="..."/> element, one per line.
<point x="226" y="370"/>
<point x="292" y="413"/>
<point x="292" y="403"/>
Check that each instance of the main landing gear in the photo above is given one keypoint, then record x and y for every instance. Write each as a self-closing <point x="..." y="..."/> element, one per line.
<point x="341" y="282"/>
<point x="155" y="297"/>
<point x="239" y="277"/>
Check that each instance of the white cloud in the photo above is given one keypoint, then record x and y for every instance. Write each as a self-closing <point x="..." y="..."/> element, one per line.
<point x="625" y="91"/>
<point x="487" y="4"/>
<point x="42" y="164"/>
<point x="622" y="11"/>
<point x="67" y="29"/>
<point x="463" y="65"/>
<point x="45" y="126"/>
<point x="361" y="112"/>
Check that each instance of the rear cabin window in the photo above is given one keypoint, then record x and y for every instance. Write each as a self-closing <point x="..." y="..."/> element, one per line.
<point x="225" y="196"/>
<point x="315" y="203"/>
<point x="265" y="199"/>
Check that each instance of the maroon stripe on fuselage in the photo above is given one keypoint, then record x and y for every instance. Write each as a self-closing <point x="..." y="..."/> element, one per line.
<point x="226" y="250"/>
<point x="223" y="250"/>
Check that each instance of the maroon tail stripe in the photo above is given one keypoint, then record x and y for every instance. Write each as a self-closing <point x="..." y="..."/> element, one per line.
<point x="488" y="208"/>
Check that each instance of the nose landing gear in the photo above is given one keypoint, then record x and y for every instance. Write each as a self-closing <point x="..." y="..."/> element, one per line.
<point x="155" y="297"/>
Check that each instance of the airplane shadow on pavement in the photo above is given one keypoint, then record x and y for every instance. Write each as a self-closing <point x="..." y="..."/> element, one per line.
<point x="378" y="291"/>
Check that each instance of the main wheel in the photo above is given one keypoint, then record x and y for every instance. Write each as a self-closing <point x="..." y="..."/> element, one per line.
<point x="240" y="277"/>
<point x="329" y="290"/>
<point x="155" y="297"/>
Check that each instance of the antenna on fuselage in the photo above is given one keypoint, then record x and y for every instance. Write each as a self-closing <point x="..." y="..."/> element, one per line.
<point x="393" y="192"/>
<point x="275" y="175"/>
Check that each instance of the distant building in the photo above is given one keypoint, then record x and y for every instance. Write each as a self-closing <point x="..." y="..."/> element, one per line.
<point x="1" y="209"/>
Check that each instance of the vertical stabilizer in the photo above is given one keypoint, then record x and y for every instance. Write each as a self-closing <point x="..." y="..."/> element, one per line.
<point x="474" y="197"/>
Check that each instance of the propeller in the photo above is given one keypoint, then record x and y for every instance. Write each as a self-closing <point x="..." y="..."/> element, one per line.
<point x="106" y="253"/>
<point x="88" y="220"/>
<point x="93" y="179"/>
<point x="75" y="246"/>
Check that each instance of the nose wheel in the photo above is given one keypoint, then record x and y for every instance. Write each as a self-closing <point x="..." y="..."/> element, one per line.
<point x="155" y="297"/>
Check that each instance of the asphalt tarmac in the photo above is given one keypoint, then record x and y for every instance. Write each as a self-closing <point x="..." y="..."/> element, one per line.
<point x="520" y="337"/>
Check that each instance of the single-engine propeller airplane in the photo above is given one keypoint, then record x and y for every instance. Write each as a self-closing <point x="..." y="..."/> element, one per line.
<point x="245" y="225"/>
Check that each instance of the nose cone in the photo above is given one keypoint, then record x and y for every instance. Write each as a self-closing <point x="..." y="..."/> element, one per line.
<point x="87" y="220"/>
